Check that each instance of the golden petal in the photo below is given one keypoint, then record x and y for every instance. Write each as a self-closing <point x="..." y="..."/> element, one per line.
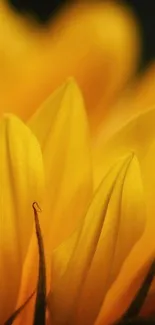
<point x="62" y="131"/>
<point x="136" y="136"/>
<point x="87" y="264"/>
<point x="21" y="182"/>
<point x="61" y="128"/>
<point x="129" y="281"/>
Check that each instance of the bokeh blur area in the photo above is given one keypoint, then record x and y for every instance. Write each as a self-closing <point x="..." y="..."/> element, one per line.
<point x="144" y="11"/>
<point x="105" y="45"/>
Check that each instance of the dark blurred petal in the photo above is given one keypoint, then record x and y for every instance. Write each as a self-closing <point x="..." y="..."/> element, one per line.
<point x="132" y="317"/>
<point x="139" y="300"/>
<point x="137" y="321"/>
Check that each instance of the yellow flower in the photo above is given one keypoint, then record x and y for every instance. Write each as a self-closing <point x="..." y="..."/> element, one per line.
<point x="35" y="61"/>
<point x="97" y="220"/>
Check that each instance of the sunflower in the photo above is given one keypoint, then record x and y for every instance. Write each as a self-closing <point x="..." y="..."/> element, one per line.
<point x="96" y="242"/>
<point x="77" y="180"/>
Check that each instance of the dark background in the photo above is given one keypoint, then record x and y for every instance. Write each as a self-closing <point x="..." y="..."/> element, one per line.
<point x="43" y="10"/>
<point x="145" y="12"/>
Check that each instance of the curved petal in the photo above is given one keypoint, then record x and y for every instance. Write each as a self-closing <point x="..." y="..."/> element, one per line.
<point x="35" y="62"/>
<point x="125" y="287"/>
<point x="87" y="264"/>
<point x="136" y="136"/>
<point x="61" y="128"/>
<point x="137" y="98"/>
<point x="149" y="183"/>
<point x="21" y="183"/>
<point x="139" y="136"/>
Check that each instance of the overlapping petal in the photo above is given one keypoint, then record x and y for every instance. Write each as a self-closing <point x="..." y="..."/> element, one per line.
<point x="62" y="131"/>
<point x="130" y="279"/>
<point x="21" y="183"/>
<point x="86" y="265"/>
<point x="61" y="128"/>
<point x="137" y="98"/>
<point x="137" y="136"/>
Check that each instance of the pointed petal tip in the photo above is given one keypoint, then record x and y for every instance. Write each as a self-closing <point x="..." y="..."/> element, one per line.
<point x="14" y="121"/>
<point x="68" y="85"/>
<point x="71" y="87"/>
<point x="71" y="81"/>
<point x="21" y="180"/>
<point x="70" y="100"/>
<point x="10" y="123"/>
<point x="130" y="156"/>
<point x="6" y="117"/>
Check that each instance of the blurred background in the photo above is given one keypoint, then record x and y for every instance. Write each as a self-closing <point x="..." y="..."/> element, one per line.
<point x="108" y="47"/>
<point x="45" y="10"/>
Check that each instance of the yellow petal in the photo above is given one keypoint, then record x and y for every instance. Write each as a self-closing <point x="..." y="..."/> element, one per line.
<point x="87" y="264"/>
<point x="125" y="287"/>
<point x="136" y="135"/>
<point x="137" y="98"/>
<point x="61" y="128"/>
<point x="21" y="183"/>
<point x="35" y="62"/>
<point x="139" y="136"/>
<point x="148" y="164"/>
